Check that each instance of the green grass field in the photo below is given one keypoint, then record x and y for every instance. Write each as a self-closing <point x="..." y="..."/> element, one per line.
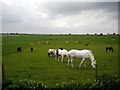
<point x="38" y="66"/>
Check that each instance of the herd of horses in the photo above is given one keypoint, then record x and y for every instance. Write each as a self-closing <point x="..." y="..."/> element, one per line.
<point x="60" y="53"/>
<point x="85" y="54"/>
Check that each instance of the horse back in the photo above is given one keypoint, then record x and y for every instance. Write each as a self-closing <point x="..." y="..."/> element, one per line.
<point x="75" y="54"/>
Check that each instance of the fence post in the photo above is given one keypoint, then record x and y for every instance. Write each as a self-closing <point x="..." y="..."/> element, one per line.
<point x="96" y="73"/>
<point x="3" y="75"/>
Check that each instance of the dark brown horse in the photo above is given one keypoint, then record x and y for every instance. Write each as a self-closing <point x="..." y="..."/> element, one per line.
<point x="19" y="49"/>
<point x="31" y="49"/>
<point x="109" y="49"/>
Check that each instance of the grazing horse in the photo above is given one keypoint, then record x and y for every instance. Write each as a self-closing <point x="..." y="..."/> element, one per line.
<point x="109" y="48"/>
<point x="19" y="49"/>
<point x="81" y="54"/>
<point x="31" y="49"/>
<point x="51" y="52"/>
<point x="61" y="53"/>
<point x="87" y="44"/>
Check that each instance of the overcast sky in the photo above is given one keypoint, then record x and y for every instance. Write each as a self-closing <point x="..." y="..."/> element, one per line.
<point x="33" y="16"/>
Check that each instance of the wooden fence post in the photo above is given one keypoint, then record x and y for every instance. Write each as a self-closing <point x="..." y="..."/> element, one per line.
<point x="96" y="73"/>
<point x="3" y="75"/>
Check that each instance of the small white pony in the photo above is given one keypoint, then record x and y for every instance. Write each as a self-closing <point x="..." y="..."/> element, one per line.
<point x="51" y="52"/>
<point x="81" y="54"/>
<point x="61" y="53"/>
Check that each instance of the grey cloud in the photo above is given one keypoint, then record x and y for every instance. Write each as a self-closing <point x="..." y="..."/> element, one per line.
<point x="10" y="15"/>
<point x="57" y="10"/>
<point x="76" y="7"/>
<point x="43" y="17"/>
<point x="16" y="13"/>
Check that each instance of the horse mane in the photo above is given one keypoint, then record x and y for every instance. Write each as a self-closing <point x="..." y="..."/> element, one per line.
<point x="61" y="48"/>
<point x="57" y="53"/>
<point x="91" y="54"/>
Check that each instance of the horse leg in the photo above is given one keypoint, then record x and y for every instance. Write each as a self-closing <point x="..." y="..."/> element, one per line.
<point x="72" y="62"/>
<point x="81" y="63"/>
<point x="52" y="54"/>
<point x="69" y="59"/>
<point x="68" y="63"/>
<point x="66" y="59"/>
<point x="62" y="58"/>
<point x="106" y="49"/>
<point x="112" y="49"/>
<point x="55" y="58"/>
<point x="85" y="64"/>
<point x="58" y="58"/>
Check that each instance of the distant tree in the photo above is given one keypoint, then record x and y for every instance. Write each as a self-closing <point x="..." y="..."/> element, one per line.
<point x="108" y="34"/>
<point x="101" y="34"/>
<point x="87" y="34"/>
<point x="69" y="33"/>
<point x="95" y="33"/>
<point x="114" y="34"/>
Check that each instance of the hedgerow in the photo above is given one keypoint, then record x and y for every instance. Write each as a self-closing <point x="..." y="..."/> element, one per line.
<point x="22" y="84"/>
<point x="104" y="82"/>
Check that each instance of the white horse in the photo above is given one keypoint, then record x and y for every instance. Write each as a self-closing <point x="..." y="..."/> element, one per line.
<point x="51" y="52"/>
<point x="81" y="54"/>
<point x="61" y="53"/>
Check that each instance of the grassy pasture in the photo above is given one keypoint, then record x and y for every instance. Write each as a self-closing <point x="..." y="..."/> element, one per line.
<point x="38" y="66"/>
